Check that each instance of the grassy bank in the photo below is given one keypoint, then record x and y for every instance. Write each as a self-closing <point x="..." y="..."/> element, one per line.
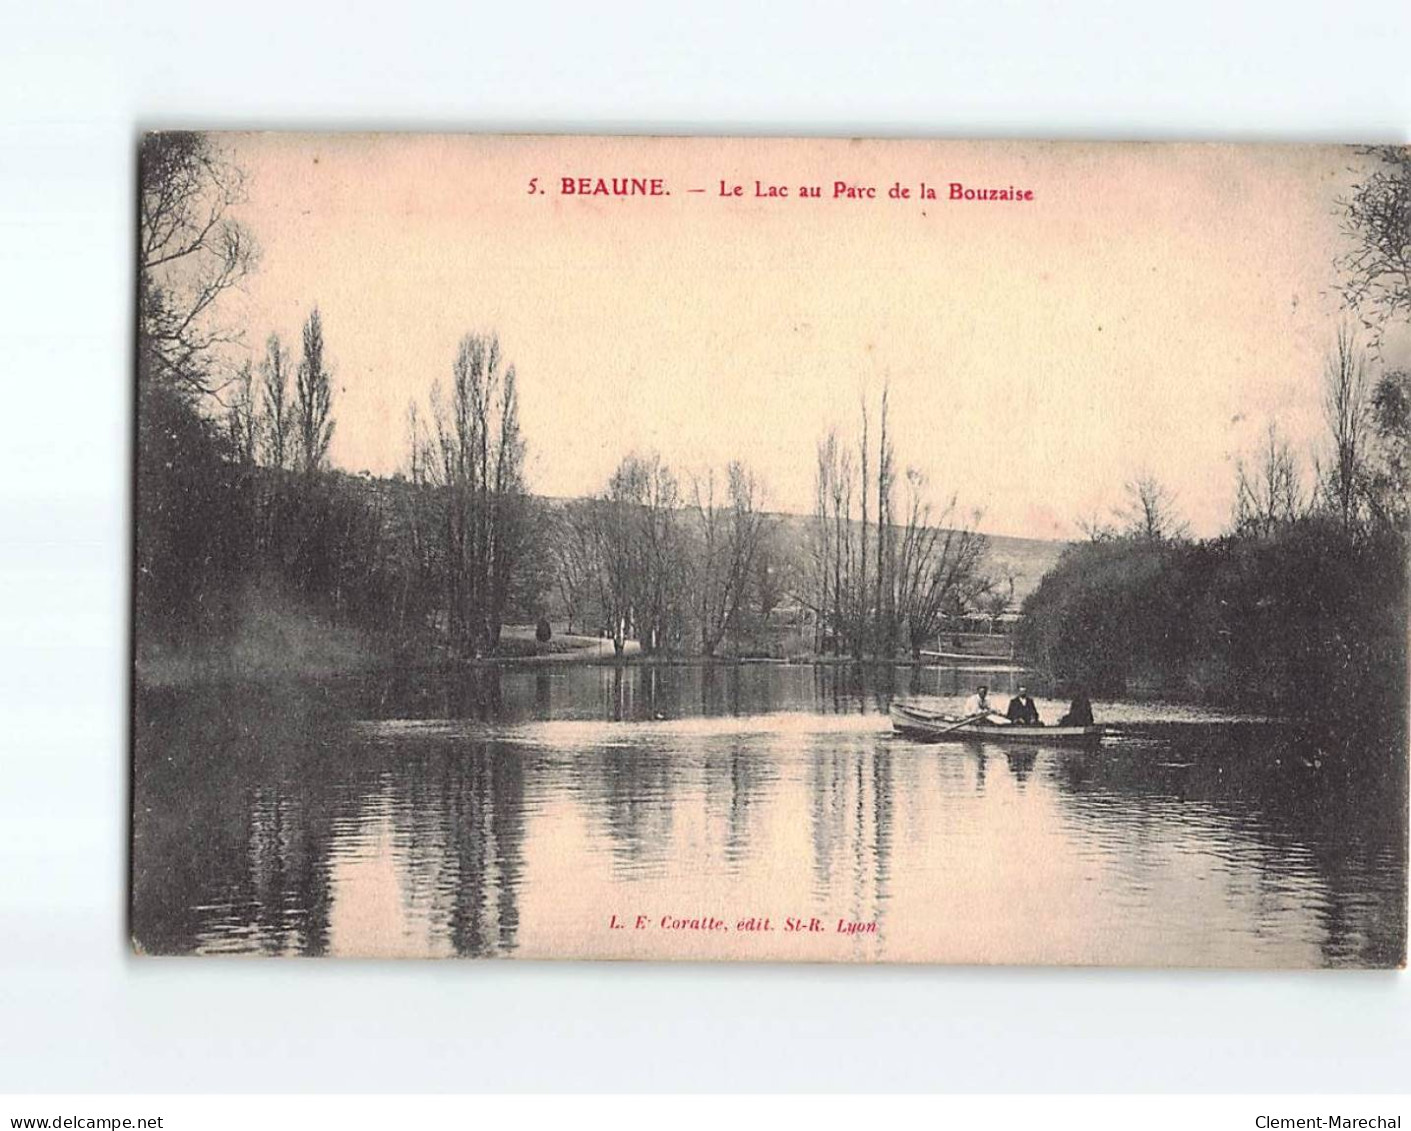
<point x="268" y="635"/>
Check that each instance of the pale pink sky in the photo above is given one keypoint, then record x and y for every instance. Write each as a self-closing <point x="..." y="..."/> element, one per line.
<point x="1152" y="308"/>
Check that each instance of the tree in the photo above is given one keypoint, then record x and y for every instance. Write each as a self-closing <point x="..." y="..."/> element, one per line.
<point x="775" y="574"/>
<point x="660" y="565"/>
<point x="938" y="566"/>
<point x="615" y="549"/>
<point x="833" y="546"/>
<point x="850" y="580"/>
<point x="730" y="545"/>
<point x="193" y="518"/>
<point x="871" y="588"/>
<point x="190" y="252"/>
<point x="1269" y="493"/>
<point x="577" y="566"/>
<point x="1149" y="513"/>
<point x="531" y="578"/>
<point x="418" y="522"/>
<point x="480" y="464"/>
<point x="861" y="594"/>
<point x="1389" y="485"/>
<point x="638" y="553"/>
<point x="313" y="398"/>
<point x="242" y="416"/>
<point x="884" y="636"/>
<point x="1096" y="528"/>
<point x="1377" y="223"/>
<point x="818" y="593"/>
<point x="274" y="402"/>
<point x="1346" y="416"/>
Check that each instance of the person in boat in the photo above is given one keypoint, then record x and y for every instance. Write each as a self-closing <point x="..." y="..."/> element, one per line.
<point x="1080" y="712"/>
<point x="1022" y="710"/>
<point x="979" y="704"/>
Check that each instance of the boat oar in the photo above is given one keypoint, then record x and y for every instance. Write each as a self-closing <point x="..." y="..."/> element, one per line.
<point x="963" y="722"/>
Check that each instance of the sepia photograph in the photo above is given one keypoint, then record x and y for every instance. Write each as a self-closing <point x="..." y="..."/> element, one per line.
<point x="770" y="550"/>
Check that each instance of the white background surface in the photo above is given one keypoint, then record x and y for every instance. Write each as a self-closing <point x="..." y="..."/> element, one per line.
<point x="77" y="84"/>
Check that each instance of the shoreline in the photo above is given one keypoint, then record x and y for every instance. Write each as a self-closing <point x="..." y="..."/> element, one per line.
<point x="160" y="673"/>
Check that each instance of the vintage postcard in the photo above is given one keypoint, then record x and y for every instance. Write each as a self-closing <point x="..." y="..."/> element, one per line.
<point x="771" y="550"/>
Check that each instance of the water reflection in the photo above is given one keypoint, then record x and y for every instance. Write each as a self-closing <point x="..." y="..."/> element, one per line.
<point x="518" y="811"/>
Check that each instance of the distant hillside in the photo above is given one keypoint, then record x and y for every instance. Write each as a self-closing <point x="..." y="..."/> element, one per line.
<point x="1026" y="559"/>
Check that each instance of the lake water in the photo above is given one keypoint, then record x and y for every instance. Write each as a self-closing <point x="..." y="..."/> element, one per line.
<point x="755" y="812"/>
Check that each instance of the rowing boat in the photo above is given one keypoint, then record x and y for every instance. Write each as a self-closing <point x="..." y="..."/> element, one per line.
<point x="917" y="723"/>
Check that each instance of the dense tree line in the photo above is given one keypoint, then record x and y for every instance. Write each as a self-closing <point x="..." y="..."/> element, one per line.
<point x="1301" y="606"/>
<point x="237" y="502"/>
<point x="704" y="570"/>
<point x="193" y="510"/>
<point x="235" y="495"/>
<point x="1301" y="620"/>
<point x="238" y="510"/>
